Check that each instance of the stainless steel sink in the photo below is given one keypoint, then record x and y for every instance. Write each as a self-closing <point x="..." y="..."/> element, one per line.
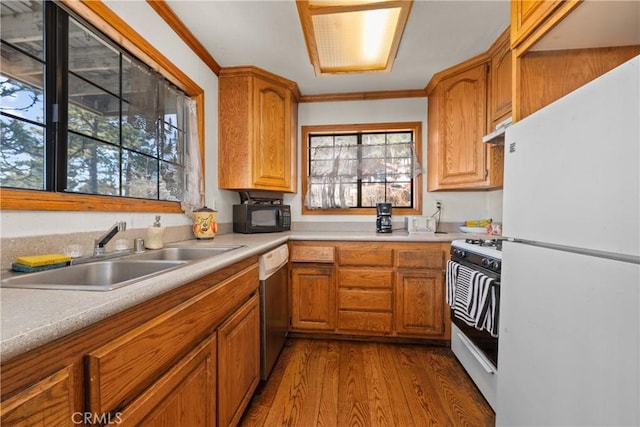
<point x="183" y="253"/>
<point x="95" y="276"/>
<point x="105" y="275"/>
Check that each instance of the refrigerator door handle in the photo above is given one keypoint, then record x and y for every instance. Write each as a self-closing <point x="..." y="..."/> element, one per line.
<point x="480" y="358"/>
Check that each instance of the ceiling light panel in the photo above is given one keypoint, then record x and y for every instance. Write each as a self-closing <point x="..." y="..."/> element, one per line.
<point x="352" y="36"/>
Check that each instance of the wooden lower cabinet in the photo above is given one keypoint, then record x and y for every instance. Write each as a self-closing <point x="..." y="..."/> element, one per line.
<point x="419" y="303"/>
<point x="372" y="289"/>
<point x="313" y="297"/>
<point x="53" y="401"/>
<point x="365" y="294"/>
<point x="184" y="396"/>
<point x="190" y="357"/>
<point x="238" y="362"/>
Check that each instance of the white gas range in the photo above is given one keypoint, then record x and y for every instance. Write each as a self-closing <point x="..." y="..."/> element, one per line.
<point x="473" y="286"/>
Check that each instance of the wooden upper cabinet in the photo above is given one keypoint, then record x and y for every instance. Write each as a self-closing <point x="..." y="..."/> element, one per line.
<point x="550" y="59"/>
<point x="528" y="15"/>
<point x="457" y="122"/>
<point x="500" y="81"/>
<point x="257" y="124"/>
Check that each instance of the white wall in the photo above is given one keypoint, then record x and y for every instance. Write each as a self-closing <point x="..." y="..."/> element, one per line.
<point x="458" y="206"/>
<point x="150" y="26"/>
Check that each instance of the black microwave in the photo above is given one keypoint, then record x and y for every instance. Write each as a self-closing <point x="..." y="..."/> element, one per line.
<point x="261" y="218"/>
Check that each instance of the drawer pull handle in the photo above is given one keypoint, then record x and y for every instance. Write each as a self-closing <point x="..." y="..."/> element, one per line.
<point x="479" y="357"/>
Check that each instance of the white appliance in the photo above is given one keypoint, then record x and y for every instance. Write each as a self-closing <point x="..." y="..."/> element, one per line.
<point x="476" y="348"/>
<point x="570" y="293"/>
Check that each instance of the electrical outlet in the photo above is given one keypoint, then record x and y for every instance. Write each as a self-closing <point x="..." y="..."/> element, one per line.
<point x="439" y="205"/>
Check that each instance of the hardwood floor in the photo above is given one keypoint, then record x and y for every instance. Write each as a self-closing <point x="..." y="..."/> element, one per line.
<point x="346" y="383"/>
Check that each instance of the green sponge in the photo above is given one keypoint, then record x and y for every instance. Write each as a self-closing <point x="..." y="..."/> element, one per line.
<point x="26" y="269"/>
<point x="42" y="260"/>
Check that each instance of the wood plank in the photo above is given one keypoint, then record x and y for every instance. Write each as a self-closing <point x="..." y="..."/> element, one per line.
<point x="266" y="393"/>
<point x="463" y="408"/>
<point x="353" y="406"/>
<point x="300" y="384"/>
<point x="400" y="410"/>
<point x="380" y="408"/>
<point x="348" y="383"/>
<point x="328" y="415"/>
<point x="419" y="398"/>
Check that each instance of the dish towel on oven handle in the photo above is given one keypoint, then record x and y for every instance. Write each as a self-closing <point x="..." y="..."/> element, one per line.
<point x="473" y="296"/>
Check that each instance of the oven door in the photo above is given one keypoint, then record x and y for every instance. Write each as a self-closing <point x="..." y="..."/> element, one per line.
<point x="482" y="339"/>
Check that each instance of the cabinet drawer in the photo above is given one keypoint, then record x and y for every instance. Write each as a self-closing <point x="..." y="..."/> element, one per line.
<point x="363" y="299"/>
<point x="364" y="255"/>
<point x="365" y="278"/>
<point x="299" y="253"/>
<point x="416" y="258"/>
<point x="126" y="366"/>
<point x="360" y="321"/>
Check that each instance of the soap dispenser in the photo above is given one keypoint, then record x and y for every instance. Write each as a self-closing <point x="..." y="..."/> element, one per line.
<point x="155" y="235"/>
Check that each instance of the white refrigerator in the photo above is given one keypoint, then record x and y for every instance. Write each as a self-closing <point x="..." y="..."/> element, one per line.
<point x="569" y="347"/>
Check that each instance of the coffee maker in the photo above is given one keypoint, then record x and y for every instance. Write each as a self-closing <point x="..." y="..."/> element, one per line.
<point x="383" y="218"/>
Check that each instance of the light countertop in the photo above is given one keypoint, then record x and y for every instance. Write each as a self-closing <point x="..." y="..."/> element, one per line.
<point x="33" y="317"/>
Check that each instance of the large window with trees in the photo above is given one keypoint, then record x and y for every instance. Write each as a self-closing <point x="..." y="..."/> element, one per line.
<point x="351" y="168"/>
<point x="82" y="115"/>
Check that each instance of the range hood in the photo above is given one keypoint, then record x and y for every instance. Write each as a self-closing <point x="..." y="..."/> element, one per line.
<point x="497" y="136"/>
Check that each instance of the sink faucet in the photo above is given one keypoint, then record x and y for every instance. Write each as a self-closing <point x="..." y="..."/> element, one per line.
<point x="98" y="248"/>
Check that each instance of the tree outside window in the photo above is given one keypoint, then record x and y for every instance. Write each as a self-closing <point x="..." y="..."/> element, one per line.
<point x="349" y="169"/>
<point x="82" y="115"/>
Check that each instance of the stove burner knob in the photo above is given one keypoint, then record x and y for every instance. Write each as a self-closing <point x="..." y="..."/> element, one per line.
<point x="460" y="253"/>
<point x="486" y="262"/>
<point x="495" y="265"/>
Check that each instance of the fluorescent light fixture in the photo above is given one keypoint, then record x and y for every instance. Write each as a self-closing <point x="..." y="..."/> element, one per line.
<point x="345" y="36"/>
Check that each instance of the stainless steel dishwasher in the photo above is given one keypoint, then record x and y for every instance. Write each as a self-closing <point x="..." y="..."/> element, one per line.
<point x="274" y="307"/>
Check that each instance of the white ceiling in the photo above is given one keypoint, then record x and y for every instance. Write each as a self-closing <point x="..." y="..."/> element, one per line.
<point x="267" y="34"/>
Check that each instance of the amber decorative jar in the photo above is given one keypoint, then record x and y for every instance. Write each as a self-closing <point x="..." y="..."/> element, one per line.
<point x="204" y="223"/>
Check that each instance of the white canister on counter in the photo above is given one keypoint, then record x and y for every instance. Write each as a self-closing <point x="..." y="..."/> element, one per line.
<point x="155" y="235"/>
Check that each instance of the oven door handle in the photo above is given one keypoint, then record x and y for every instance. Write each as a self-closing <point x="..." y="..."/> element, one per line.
<point x="479" y="357"/>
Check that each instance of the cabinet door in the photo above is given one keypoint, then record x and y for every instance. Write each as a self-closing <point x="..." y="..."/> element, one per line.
<point x="52" y="401"/>
<point x="238" y="361"/>
<point x="257" y="133"/>
<point x="272" y="132"/>
<point x="500" y="94"/>
<point x="313" y="297"/>
<point x="184" y="396"/>
<point x="420" y="305"/>
<point x="527" y="15"/>
<point x="461" y="125"/>
<point x="125" y="366"/>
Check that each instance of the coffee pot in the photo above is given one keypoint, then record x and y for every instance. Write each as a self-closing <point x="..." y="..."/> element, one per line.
<point x="204" y="223"/>
<point x="383" y="218"/>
